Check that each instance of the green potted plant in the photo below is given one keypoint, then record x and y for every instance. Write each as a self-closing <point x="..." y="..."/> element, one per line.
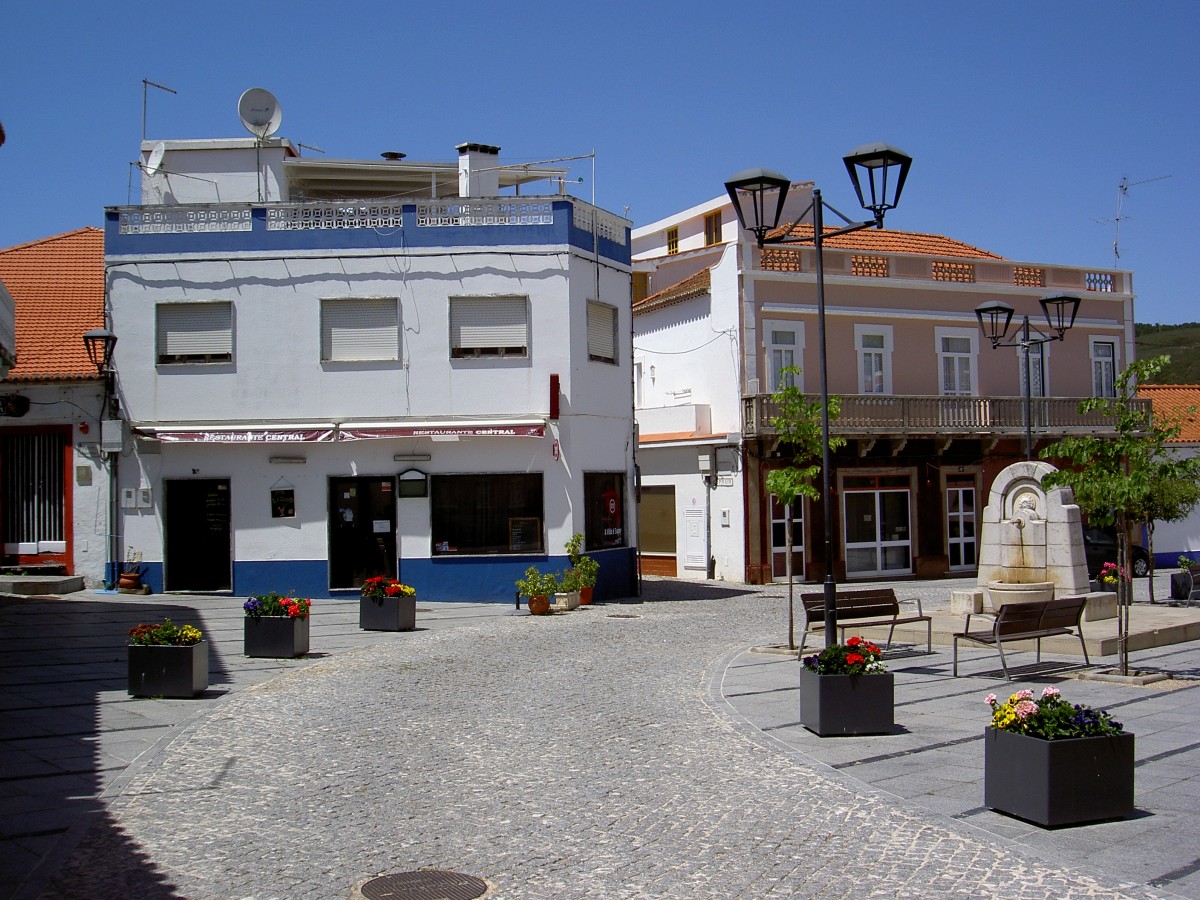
<point x="537" y="588"/>
<point x="386" y="604"/>
<point x="167" y="660"/>
<point x="276" y="626"/>
<point x="583" y="569"/>
<point x="1054" y="763"/>
<point x="1184" y="581"/>
<point x="845" y="690"/>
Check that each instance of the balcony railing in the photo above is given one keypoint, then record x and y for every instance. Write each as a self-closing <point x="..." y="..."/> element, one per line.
<point x="876" y="415"/>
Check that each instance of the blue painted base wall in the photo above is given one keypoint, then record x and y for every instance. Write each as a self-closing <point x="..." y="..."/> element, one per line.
<point x="477" y="579"/>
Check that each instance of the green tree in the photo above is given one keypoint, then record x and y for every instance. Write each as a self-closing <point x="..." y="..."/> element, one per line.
<point x="798" y="425"/>
<point x="1124" y="479"/>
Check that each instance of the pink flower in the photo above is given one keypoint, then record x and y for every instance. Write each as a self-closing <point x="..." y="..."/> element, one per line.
<point x="1024" y="709"/>
<point x="989" y="699"/>
<point x="1024" y="694"/>
<point x="1050" y="692"/>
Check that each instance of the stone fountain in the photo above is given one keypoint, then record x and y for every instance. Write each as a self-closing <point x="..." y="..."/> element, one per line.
<point x="1031" y="539"/>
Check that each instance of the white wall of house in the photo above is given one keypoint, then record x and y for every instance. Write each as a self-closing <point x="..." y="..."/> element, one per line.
<point x="213" y="171"/>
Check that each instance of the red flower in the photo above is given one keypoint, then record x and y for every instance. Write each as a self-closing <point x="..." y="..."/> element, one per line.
<point x="853" y="659"/>
<point x="854" y="641"/>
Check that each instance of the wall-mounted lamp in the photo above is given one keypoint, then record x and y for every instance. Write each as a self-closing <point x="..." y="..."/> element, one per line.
<point x="292" y="460"/>
<point x="651" y="371"/>
<point x="411" y="457"/>
<point x="100" y="343"/>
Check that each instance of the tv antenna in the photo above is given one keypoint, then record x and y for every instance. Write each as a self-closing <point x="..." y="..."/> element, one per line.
<point x="1122" y="190"/>
<point x="149" y="84"/>
<point x="260" y="114"/>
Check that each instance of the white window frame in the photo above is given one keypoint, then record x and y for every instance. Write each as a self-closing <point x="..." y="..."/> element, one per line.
<point x="190" y="333"/>
<point x="1038" y="353"/>
<point x="602" y="321"/>
<point x="770" y="326"/>
<point x="1114" y="362"/>
<point x="971" y="334"/>
<point x="884" y="386"/>
<point x="489" y="327"/>
<point x="360" y="329"/>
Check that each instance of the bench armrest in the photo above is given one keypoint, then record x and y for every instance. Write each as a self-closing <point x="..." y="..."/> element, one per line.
<point x="916" y="600"/>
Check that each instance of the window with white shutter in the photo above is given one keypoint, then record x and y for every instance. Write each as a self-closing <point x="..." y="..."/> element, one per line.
<point x="602" y="332"/>
<point x="489" y="326"/>
<point x="194" y="332"/>
<point x="360" y="328"/>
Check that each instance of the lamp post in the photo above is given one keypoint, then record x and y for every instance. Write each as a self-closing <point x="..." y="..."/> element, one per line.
<point x="994" y="319"/>
<point x="758" y="197"/>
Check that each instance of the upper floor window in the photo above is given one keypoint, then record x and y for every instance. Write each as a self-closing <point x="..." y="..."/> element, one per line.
<point x="784" y="346"/>
<point x="1104" y="367"/>
<point x="957" y="366"/>
<point x="1038" y="355"/>
<point x="712" y="228"/>
<point x="489" y="326"/>
<point x="360" y="328"/>
<point x="873" y="343"/>
<point x="673" y="240"/>
<point x="602" y="332"/>
<point x="194" y="332"/>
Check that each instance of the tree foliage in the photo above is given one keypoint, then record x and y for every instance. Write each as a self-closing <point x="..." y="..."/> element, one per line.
<point x="1132" y="477"/>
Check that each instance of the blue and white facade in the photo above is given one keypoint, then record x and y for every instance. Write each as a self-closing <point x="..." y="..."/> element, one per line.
<point x="335" y="369"/>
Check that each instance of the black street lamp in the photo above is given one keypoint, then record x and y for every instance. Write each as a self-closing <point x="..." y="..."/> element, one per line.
<point x="994" y="319"/>
<point x="758" y="198"/>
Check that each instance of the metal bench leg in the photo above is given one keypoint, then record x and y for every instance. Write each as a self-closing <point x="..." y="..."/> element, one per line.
<point x="928" y="638"/>
<point x="1039" y="650"/>
<point x="803" y="638"/>
<point x="955" y="657"/>
<point x="891" y="631"/>
<point x="1003" y="664"/>
<point x="1083" y="647"/>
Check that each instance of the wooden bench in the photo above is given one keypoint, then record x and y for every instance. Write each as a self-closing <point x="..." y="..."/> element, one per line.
<point x="1028" y="621"/>
<point x="862" y="609"/>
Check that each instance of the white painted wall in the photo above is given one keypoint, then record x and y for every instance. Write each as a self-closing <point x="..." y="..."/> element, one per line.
<point x="215" y="171"/>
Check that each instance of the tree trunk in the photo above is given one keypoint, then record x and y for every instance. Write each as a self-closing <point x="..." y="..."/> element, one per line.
<point x="1150" y="552"/>
<point x="787" y="527"/>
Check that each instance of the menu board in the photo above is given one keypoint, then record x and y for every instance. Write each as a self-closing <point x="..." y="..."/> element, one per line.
<point x="524" y="534"/>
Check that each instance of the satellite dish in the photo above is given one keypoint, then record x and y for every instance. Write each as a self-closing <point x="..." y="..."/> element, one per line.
<point x="260" y="113"/>
<point x="156" y="158"/>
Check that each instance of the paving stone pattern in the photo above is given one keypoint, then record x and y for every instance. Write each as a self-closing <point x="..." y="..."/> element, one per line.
<point x="577" y="755"/>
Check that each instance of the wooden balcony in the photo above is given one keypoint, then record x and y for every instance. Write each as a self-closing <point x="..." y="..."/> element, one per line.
<point x="891" y="416"/>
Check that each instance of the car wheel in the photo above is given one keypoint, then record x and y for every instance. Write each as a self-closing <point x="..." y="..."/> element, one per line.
<point x="1141" y="567"/>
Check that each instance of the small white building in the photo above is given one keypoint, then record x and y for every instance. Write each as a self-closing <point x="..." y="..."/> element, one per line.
<point x="336" y="369"/>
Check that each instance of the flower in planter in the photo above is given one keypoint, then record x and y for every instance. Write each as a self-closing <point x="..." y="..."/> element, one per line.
<point x="1186" y="563"/>
<point x="857" y="656"/>
<point x="380" y="586"/>
<point x="277" y="606"/>
<point x="165" y="632"/>
<point x="1111" y="573"/>
<point x="1050" y="717"/>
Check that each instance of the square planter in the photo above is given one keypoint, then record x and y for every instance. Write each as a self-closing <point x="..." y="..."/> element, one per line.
<point x="168" y="671"/>
<point x="847" y="704"/>
<point x="1063" y="782"/>
<point x="387" y="614"/>
<point x="566" y="601"/>
<point x="275" y="637"/>
<point x="1181" y="586"/>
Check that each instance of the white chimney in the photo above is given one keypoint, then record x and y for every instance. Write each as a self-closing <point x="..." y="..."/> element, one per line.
<point x="478" y="175"/>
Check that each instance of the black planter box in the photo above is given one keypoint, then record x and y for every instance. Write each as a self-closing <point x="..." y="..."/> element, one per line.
<point x="161" y="670"/>
<point x="387" y="614"/>
<point x="1064" y="782"/>
<point x="1181" y="586"/>
<point x="276" y="637"/>
<point x="847" y="704"/>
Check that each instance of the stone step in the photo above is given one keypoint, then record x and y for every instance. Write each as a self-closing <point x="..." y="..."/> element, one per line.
<point x="38" y="585"/>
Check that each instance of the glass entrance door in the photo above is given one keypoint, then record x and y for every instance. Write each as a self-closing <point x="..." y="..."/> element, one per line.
<point x="878" y="539"/>
<point x="362" y="530"/>
<point x="960" y="526"/>
<point x="197" y="551"/>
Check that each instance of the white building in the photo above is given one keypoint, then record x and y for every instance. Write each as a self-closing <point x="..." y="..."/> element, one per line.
<point x="334" y="369"/>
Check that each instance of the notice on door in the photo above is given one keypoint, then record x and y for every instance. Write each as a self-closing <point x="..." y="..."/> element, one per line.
<point x="381" y="526"/>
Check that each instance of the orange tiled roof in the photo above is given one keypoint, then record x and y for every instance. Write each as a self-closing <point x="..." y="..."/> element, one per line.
<point x="1177" y="402"/>
<point x="693" y="286"/>
<point x="883" y="240"/>
<point x="57" y="286"/>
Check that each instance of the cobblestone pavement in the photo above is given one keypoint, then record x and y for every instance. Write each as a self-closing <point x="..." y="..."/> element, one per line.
<point x="576" y="755"/>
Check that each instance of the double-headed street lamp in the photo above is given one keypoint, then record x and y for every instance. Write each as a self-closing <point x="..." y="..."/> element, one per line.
<point x="758" y="197"/>
<point x="994" y="319"/>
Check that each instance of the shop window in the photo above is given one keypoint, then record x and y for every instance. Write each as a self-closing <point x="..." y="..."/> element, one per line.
<point x="604" y="509"/>
<point x="499" y="512"/>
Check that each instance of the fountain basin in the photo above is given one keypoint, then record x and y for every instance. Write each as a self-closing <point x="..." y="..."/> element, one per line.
<point x="1003" y="592"/>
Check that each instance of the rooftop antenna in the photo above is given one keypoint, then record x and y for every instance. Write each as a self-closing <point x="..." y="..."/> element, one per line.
<point x="261" y="116"/>
<point x="310" y="147"/>
<point x="1122" y="190"/>
<point x="149" y="84"/>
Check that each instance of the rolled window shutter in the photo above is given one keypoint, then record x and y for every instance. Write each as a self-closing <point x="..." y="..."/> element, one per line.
<point x="355" y="328"/>
<point x="195" y="329"/>
<point x="602" y="331"/>
<point x="488" y="322"/>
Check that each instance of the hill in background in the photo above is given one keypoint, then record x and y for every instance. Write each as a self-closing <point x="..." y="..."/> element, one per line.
<point x="1180" y="342"/>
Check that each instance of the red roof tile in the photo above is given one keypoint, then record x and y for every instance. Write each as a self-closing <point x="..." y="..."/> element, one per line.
<point x="1177" y="402"/>
<point x="57" y="286"/>
<point x="693" y="286"/>
<point x="883" y="240"/>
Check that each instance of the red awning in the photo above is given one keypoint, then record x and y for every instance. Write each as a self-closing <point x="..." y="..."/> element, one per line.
<point x="355" y="433"/>
<point x="247" y="436"/>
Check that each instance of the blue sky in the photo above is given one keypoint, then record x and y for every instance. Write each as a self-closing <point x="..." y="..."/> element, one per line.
<point x="1022" y="117"/>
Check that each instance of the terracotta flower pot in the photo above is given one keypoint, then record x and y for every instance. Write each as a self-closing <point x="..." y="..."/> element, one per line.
<point x="539" y="606"/>
<point x="585" y="596"/>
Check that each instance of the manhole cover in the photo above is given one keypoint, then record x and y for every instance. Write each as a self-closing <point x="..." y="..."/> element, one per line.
<point x="624" y="616"/>
<point x="426" y="884"/>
